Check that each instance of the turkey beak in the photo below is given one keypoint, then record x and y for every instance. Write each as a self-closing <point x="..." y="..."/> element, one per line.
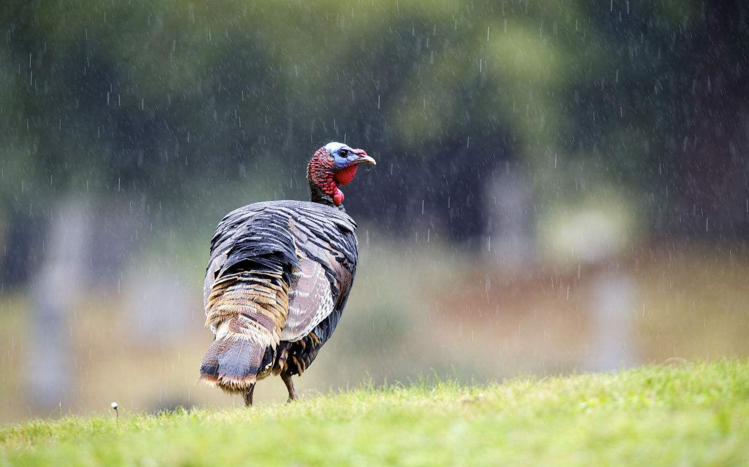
<point x="363" y="158"/>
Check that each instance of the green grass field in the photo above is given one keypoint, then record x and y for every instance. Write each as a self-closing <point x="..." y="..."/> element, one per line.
<point x="691" y="414"/>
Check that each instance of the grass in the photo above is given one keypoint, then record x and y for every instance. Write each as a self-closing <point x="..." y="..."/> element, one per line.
<point x="692" y="414"/>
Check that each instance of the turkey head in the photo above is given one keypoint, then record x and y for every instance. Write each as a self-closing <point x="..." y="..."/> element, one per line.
<point x="332" y="166"/>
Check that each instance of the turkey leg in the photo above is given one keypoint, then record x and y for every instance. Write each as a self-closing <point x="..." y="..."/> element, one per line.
<point x="289" y="386"/>
<point x="248" y="396"/>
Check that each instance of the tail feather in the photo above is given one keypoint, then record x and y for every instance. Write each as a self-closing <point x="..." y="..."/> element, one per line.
<point x="234" y="360"/>
<point x="247" y="311"/>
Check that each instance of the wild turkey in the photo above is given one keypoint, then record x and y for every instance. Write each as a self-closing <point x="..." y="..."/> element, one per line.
<point x="278" y="278"/>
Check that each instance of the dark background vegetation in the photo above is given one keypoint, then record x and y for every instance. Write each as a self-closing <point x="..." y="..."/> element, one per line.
<point x="546" y="170"/>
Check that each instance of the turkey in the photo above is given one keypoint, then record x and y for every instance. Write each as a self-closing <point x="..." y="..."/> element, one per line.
<point x="278" y="278"/>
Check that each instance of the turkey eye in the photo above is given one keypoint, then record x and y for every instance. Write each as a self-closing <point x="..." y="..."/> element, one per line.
<point x="343" y="152"/>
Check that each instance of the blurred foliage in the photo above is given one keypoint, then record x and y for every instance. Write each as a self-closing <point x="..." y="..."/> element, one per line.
<point x="164" y="99"/>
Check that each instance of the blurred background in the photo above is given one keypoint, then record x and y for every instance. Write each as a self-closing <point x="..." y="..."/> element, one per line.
<point x="562" y="186"/>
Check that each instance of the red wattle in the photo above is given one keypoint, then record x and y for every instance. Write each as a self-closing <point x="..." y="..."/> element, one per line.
<point x="344" y="176"/>
<point x="338" y="197"/>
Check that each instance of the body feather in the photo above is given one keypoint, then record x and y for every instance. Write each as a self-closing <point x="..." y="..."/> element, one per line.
<point x="277" y="281"/>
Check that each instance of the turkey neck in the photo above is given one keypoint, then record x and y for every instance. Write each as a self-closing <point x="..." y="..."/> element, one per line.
<point x="318" y="195"/>
<point x="322" y="187"/>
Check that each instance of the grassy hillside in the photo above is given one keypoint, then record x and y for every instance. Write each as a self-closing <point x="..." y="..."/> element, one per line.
<point x="691" y="414"/>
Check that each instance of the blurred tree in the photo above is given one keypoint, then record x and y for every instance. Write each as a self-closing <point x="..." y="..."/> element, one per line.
<point x="167" y="100"/>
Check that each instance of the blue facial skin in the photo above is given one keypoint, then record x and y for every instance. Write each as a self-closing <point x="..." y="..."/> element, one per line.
<point x="343" y="157"/>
